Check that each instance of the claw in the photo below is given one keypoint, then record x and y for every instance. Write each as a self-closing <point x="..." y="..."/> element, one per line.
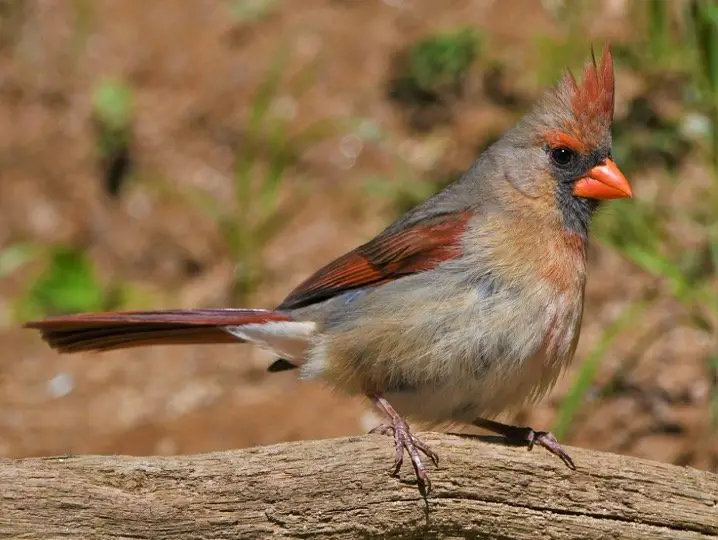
<point x="549" y="442"/>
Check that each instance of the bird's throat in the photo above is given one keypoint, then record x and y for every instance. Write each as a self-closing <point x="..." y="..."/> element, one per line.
<point x="576" y="212"/>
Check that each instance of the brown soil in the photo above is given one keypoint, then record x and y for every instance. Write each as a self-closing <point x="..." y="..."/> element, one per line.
<point x="195" y="69"/>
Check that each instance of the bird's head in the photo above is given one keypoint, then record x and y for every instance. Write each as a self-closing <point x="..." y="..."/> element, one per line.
<point x="562" y="149"/>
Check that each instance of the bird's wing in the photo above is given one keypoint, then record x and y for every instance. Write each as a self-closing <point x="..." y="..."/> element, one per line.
<point x="391" y="255"/>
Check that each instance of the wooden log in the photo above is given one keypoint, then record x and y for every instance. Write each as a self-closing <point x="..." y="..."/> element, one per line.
<point x="341" y="488"/>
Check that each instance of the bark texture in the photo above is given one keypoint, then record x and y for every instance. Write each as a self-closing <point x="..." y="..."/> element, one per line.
<point x="341" y="488"/>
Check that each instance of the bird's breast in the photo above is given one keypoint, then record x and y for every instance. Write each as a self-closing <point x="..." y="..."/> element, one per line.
<point x="488" y="374"/>
<point x="443" y="346"/>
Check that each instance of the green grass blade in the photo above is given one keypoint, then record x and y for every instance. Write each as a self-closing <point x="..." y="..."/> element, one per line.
<point x="572" y="403"/>
<point x="67" y="285"/>
<point x="267" y="91"/>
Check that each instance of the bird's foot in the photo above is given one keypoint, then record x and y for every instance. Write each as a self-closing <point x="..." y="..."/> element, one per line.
<point x="404" y="440"/>
<point x="549" y="442"/>
<point x="529" y="437"/>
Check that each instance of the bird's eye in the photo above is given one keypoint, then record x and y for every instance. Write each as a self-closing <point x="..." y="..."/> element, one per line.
<point x="562" y="156"/>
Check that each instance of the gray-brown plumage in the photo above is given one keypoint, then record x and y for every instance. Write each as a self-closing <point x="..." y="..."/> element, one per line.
<point x="466" y="307"/>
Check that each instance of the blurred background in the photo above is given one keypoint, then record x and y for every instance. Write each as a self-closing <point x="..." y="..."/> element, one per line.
<point x="211" y="153"/>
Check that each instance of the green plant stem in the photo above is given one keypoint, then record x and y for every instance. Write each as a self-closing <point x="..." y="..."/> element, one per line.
<point x="572" y="403"/>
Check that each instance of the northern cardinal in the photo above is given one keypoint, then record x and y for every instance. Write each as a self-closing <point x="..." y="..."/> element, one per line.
<point x="465" y="307"/>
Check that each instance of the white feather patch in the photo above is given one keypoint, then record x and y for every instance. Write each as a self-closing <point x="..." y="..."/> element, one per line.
<point x="287" y="339"/>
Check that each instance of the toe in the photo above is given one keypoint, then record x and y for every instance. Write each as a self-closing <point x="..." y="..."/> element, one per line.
<point x="425" y="449"/>
<point x="382" y="429"/>
<point x="424" y="483"/>
<point x="549" y="442"/>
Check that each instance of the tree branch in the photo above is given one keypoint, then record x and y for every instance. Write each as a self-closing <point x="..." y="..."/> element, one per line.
<point x="340" y="488"/>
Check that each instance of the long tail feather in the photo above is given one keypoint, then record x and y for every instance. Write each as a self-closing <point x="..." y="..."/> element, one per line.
<point x="107" y="331"/>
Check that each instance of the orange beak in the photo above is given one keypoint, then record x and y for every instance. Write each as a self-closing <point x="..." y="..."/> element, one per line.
<point x="604" y="181"/>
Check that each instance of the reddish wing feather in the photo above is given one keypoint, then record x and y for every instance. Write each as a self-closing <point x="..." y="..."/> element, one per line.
<point x="385" y="258"/>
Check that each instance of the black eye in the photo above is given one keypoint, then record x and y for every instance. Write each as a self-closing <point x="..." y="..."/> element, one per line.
<point x="562" y="156"/>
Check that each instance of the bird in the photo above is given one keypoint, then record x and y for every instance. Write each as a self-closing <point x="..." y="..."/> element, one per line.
<point x="466" y="307"/>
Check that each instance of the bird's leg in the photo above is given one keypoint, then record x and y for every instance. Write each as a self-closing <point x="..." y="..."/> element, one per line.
<point x="527" y="436"/>
<point x="405" y="440"/>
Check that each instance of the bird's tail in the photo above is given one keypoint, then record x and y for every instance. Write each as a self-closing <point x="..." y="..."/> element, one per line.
<point x="273" y="330"/>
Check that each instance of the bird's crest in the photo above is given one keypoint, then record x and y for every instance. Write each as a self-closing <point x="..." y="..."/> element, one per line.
<point x="592" y="99"/>
<point x="590" y="103"/>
